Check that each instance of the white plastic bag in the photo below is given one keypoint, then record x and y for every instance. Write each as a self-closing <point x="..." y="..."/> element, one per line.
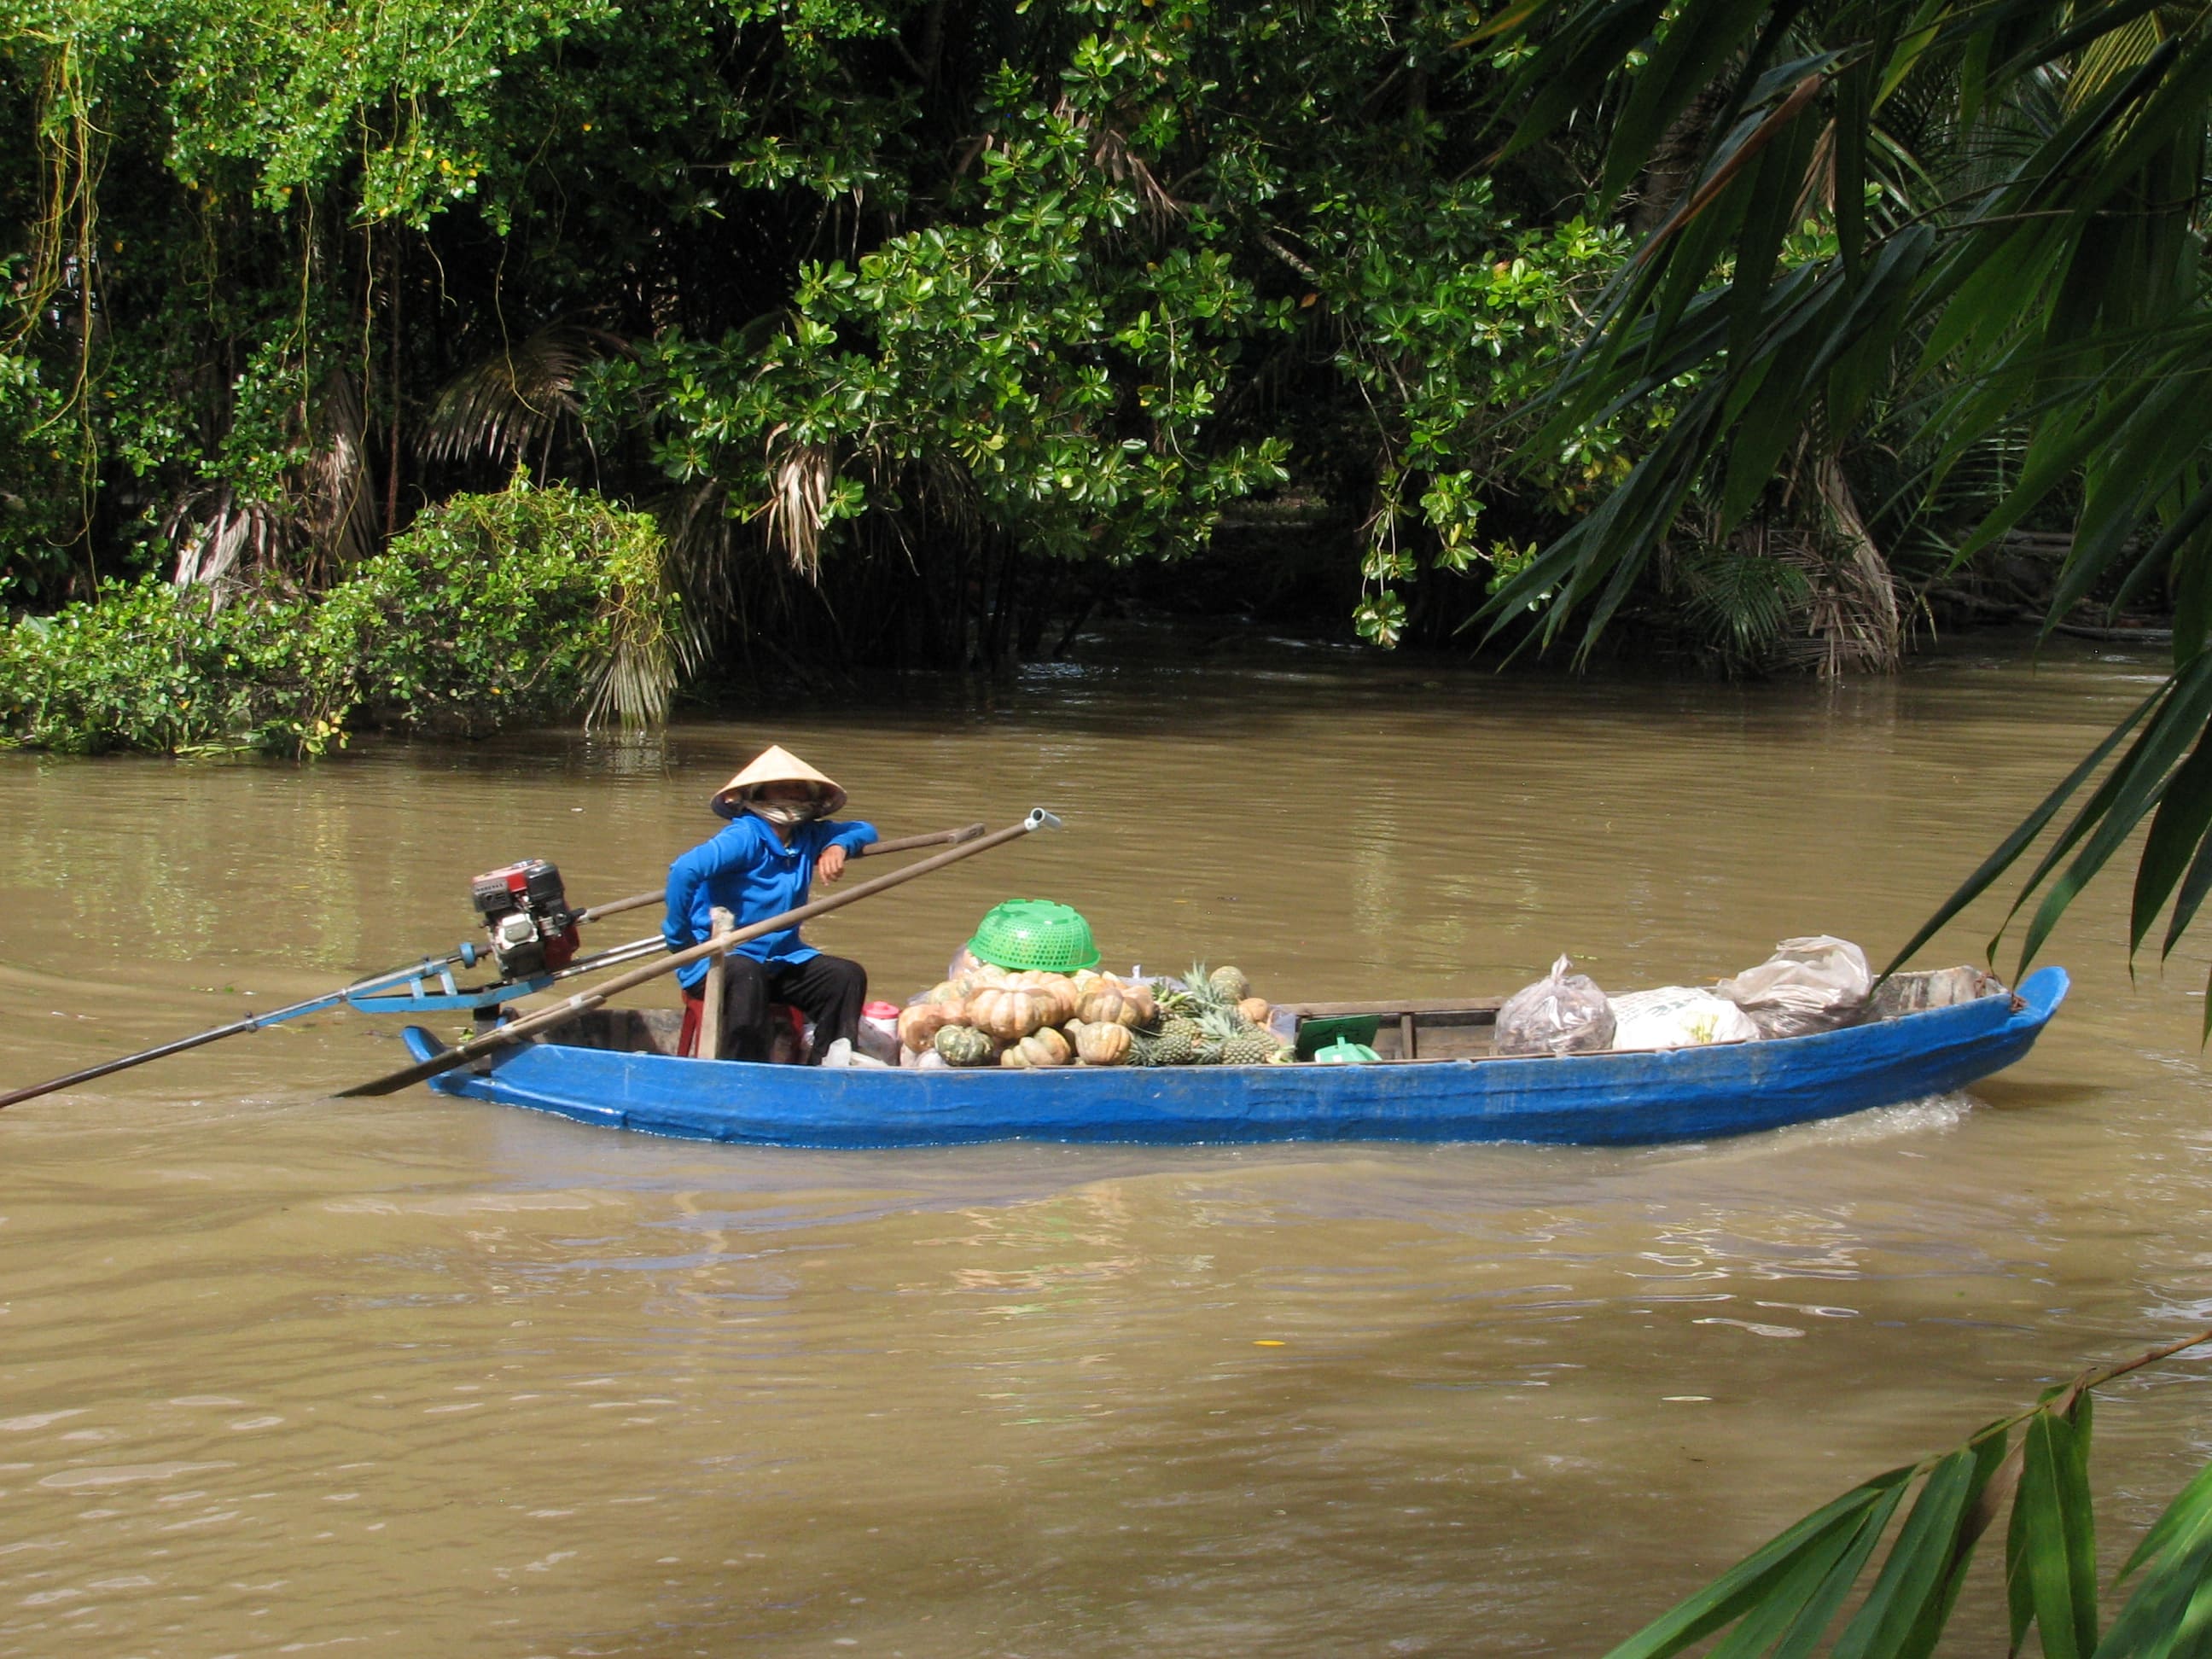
<point x="1677" y="1017"/>
<point x="1811" y="984"/>
<point x="841" y="1055"/>
<point x="1562" y="1013"/>
<point x="878" y="1035"/>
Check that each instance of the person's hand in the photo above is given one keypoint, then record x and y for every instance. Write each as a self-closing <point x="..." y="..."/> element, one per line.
<point x="831" y="864"/>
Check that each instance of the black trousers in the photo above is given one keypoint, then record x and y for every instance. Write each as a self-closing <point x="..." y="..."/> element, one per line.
<point x="828" y="990"/>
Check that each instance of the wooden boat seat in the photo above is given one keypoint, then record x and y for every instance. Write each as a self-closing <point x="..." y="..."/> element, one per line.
<point x="625" y="1030"/>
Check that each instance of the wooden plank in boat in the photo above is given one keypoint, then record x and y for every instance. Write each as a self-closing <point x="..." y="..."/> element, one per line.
<point x="1478" y="1010"/>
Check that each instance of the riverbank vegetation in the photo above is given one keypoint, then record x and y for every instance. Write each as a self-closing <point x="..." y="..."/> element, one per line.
<point x="525" y="604"/>
<point x="923" y="331"/>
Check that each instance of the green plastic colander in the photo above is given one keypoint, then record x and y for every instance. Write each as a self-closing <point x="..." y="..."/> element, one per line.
<point x="1035" y="933"/>
<point x="1344" y="1052"/>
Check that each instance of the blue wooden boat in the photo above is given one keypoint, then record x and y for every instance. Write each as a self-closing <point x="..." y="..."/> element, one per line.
<point x="1925" y="1034"/>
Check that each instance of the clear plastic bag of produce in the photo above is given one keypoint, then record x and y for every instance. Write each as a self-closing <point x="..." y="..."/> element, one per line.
<point x="1812" y="984"/>
<point x="1562" y="1013"/>
<point x="1677" y="1017"/>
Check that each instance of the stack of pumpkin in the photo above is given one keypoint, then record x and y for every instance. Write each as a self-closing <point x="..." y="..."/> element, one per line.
<point x="996" y="1017"/>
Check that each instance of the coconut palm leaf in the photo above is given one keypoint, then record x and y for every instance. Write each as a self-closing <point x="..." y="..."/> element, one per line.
<point x="2050" y="1549"/>
<point x="512" y="404"/>
<point x="1780" y="1601"/>
<point x="2038" y="277"/>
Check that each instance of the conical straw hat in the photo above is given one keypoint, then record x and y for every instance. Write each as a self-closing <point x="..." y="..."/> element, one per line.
<point x="775" y="764"/>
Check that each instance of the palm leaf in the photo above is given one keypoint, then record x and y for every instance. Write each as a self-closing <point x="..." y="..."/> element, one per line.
<point x="1766" y="1572"/>
<point x="2170" y="1612"/>
<point x="1779" y="1600"/>
<point x="2051" y="289"/>
<point x="2051" y="1550"/>
<point x="510" y="406"/>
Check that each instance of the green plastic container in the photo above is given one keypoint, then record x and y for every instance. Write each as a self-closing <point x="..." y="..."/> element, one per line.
<point x="1035" y="933"/>
<point x="1344" y="1052"/>
<point x="1357" y="1030"/>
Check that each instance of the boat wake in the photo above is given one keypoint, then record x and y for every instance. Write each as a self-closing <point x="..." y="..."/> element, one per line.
<point x="1930" y="1114"/>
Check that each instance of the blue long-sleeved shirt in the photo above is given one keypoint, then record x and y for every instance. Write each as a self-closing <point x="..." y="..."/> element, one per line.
<point x="750" y="871"/>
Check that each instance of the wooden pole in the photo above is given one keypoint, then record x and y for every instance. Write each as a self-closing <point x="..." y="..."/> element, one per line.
<point x="584" y="1001"/>
<point x="966" y="832"/>
<point x="718" y="981"/>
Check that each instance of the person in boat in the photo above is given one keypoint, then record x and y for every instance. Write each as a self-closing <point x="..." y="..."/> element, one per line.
<point x="779" y="838"/>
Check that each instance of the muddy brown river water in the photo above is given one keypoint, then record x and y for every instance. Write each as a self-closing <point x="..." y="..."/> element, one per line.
<point x="281" y="1373"/>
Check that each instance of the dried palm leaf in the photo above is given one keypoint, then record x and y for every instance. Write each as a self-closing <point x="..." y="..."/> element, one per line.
<point x="338" y="512"/>
<point x="1111" y="154"/>
<point x="800" y="476"/>
<point x="215" y="532"/>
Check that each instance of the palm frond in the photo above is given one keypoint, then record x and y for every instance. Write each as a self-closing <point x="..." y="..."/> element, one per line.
<point x="2044" y="281"/>
<point x="1782" y="1600"/>
<point x="509" y="406"/>
<point x="338" y="511"/>
<point x="219" y="535"/>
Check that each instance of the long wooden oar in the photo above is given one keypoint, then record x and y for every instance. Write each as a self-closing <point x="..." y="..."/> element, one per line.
<point x="423" y="969"/>
<point x="966" y="832"/>
<point x="585" y="1001"/>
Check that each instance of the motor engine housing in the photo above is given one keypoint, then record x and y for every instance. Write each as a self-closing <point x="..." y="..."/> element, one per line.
<point x="527" y="915"/>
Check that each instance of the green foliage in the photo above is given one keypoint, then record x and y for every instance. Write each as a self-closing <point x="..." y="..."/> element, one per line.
<point x="149" y="666"/>
<point x="37" y="482"/>
<point x="492" y="610"/>
<point x="1785" y="1597"/>
<point x="1739" y="603"/>
<point x="495" y="609"/>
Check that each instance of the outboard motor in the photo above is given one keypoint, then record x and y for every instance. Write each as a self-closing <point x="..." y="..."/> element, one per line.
<point x="525" y="912"/>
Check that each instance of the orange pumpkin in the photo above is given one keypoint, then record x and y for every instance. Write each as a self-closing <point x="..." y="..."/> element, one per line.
<point x="1102" y="1043"/>
<point x="1039" y="1050"/>
<point x="1058" y="987"/>
<point x="1011" y="1012"/>
<point x="951" y="991"/>
<point x="1255" y="1010"/>
<point x="919" y="1024"/>
<point x="1111" y="1002"/>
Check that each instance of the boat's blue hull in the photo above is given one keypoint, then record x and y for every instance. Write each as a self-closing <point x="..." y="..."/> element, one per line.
<point x="1598" y="1099"/>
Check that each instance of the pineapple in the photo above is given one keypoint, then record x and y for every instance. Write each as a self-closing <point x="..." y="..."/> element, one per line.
<point x="1234" y="1041"/>
<point x="1176" y="1045"/>
<point x="1250" y="1046"/>
<point x="1229" y="984"/>
<point x="1205" y="996"/>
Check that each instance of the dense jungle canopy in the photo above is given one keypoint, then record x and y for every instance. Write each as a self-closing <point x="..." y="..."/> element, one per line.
<point x="909" y="323"/>
<point x="917" y="331"/>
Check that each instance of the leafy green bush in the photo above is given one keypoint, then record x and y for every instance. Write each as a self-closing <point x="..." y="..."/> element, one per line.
<point x="151" y="667"/>
<point x="520" y="605"/>
<point x="526" y="604"/>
